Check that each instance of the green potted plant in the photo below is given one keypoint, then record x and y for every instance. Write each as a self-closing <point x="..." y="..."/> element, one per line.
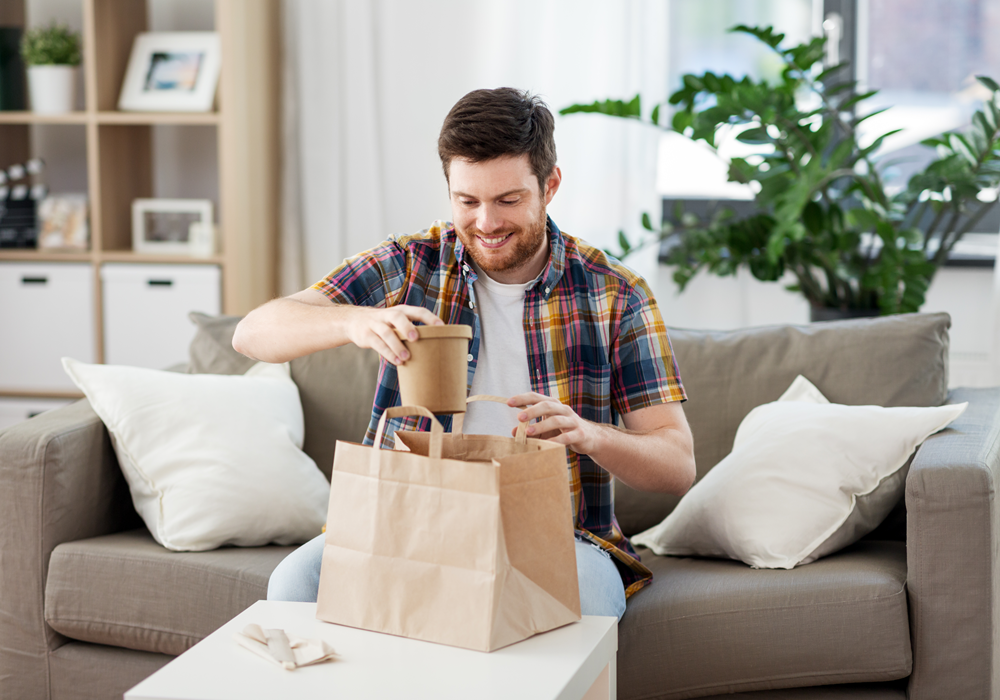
<point x="823" y="211"/>
<point x="52" y="55"/>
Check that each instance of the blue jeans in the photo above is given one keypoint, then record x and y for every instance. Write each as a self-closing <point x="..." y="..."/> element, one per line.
<point x="601" y="590"/>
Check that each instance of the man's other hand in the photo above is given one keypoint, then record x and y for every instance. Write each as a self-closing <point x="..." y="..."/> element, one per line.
<point x="559" y="423"/>
<point x="654" y="451"/>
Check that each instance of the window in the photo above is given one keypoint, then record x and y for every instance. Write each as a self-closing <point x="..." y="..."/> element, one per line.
<point x="699" y="41"/>
<point x="922" y="56"/>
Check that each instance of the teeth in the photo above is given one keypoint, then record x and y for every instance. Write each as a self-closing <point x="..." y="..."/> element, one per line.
<point x="493" y="241"/>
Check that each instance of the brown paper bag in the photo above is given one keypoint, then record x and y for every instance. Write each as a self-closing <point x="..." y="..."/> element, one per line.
<point x="464" y="540"/>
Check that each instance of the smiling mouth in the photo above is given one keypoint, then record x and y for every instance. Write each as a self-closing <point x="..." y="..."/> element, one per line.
<point x="496" y="240"/>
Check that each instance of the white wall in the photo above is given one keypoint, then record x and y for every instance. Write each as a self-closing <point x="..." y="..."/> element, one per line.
<point x="376" y="79"/>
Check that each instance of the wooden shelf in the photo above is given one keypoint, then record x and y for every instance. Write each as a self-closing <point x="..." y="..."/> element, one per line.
<point x="33" y="118"/>
<point x="127" y="256"/>
<point x="122" y="149"/>
<point x="22" y="255"/>
<point x="176" y="118"/>
<point x="179" y="118"/>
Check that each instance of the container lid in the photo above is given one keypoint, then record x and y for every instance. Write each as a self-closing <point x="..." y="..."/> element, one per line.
<point x="455" y="330"/>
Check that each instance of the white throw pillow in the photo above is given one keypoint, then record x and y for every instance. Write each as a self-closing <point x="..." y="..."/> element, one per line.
<point x="800" y="468"/>
<point x="210" y="459"/>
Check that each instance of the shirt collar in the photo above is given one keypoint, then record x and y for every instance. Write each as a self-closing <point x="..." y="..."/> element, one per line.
<point x="551" y="273"/>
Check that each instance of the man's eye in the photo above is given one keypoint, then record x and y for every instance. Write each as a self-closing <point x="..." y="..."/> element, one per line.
<point x="469" y="202"/>
<point x="508" y="201"/>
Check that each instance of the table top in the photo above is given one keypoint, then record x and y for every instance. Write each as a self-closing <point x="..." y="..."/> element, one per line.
<point x="556" y="665"/>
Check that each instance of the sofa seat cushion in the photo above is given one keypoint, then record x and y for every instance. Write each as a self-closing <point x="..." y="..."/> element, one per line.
<point x="125" y="590"/>
<point x="711" y="626"/>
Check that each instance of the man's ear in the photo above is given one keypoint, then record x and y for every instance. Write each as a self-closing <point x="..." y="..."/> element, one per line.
<point x="552" y="184"/>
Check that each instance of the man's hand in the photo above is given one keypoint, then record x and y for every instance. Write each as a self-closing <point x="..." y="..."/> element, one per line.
<point x="559" y="423"/>
<point x="307" y="322"/>
<point x="376" y="329"/>
<point x="653" y="452"/>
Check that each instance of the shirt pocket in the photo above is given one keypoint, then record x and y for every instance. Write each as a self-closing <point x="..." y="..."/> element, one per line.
<point x="589" y="386"/>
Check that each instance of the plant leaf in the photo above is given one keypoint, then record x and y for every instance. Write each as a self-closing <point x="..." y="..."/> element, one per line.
<point x="612" y="108"/>
<point x="623" y="242"/>
<point x="988" y="82"/>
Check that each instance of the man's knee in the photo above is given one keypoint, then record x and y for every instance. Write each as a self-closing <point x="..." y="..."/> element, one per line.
<point x="296" y="578"/>
<point x="601" y="588"/>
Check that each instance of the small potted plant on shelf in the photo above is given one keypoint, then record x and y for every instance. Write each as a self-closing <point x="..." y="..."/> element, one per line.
<point x="52" y="55"/>
<point x="824" y="212"/>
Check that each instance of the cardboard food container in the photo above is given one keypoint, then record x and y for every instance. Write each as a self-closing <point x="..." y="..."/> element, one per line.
<point x="436" y="375"/>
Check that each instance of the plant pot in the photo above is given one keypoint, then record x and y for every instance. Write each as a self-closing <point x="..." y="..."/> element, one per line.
<point x="436" y="375"/>
<point x="826" y="313"/>
<point x="52" y="89"/>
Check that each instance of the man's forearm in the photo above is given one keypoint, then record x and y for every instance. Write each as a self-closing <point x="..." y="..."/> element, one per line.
<point x="654" y="460"/>
<point x="308" y="322"/>
<point x="283" y="329"/>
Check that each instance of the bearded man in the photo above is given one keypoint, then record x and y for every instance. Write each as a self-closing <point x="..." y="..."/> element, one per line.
<point x="558" y="326"/>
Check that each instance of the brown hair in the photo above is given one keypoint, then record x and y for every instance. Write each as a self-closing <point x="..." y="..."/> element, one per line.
<point x="488" y="124"/>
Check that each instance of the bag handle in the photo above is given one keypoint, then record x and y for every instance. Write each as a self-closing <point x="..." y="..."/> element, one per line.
<point x="437" y="432"/>
<point x="458" y="420"/>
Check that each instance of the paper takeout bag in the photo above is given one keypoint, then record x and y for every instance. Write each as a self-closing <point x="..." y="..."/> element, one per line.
<point x="464" y="540"/>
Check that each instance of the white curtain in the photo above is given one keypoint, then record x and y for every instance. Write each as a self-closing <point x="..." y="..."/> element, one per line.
<point x="367" y="85"/>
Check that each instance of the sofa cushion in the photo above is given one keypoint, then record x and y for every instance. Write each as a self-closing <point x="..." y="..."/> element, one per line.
<point x="806" y="478"/>
<point x="336" y="386"/>
<point x="210" y="459"/>
<point x="892" y="361"/>
<point x="125" y="590"/>
<point x="893" y="690"/>
<point x="708" y="627"/>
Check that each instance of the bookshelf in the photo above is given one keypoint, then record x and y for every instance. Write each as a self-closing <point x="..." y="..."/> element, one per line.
<point x="120" y="154"/>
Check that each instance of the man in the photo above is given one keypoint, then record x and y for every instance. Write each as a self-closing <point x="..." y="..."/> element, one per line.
<point x="558" y="327"/>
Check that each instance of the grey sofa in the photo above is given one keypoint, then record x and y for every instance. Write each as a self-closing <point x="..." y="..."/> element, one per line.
<point x="90" y="604"/>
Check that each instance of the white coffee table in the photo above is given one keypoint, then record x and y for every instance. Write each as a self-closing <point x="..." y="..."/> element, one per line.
<point x="570" y="663"/>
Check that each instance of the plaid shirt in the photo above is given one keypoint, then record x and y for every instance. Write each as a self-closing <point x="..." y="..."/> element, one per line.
<point x="593" y="333"/>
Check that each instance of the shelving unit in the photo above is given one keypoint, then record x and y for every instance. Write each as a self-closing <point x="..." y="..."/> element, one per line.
<point x="120" y="152"/>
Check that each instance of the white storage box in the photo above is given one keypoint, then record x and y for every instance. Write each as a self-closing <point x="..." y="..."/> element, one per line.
<point x="46" y="313"/>
<point x="146" y="311"/>
<point x="16" y="409"/>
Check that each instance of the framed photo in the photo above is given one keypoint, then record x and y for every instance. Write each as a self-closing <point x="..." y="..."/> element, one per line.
<point x="62" y="223"/>
<point x="172" y="226"/>
<point x="172" y="72"/>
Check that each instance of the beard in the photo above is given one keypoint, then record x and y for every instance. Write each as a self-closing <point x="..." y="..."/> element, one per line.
<point x="525" y="244"/>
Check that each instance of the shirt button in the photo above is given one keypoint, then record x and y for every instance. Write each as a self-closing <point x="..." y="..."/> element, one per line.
<point x="548" y="289"/>
<point x="472" y="304"/>
<point x="469" y="358"/>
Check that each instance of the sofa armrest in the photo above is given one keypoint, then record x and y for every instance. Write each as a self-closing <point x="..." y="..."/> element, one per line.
<point x="59" y="481"/>
<point x="953" y="562"/>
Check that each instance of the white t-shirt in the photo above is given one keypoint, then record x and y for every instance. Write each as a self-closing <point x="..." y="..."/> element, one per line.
<point x="502" y="369"/>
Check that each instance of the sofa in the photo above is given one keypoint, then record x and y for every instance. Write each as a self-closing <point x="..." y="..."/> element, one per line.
<point x="90" y="604"/>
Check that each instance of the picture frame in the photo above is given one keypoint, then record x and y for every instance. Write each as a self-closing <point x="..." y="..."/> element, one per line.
<point x="172" y="72"/>
<point x="63" y="224"/>
<point x="164" y="226"/>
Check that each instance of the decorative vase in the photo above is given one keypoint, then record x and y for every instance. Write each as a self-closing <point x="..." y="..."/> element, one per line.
<point x="826" y="313"/>
<point x="52" y="89"/>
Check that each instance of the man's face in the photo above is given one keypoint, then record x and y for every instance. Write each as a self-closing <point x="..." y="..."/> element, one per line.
<point x="499" y="215"/>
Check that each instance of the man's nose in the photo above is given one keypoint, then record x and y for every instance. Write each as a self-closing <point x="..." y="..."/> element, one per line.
<point x="488" y="220"/>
